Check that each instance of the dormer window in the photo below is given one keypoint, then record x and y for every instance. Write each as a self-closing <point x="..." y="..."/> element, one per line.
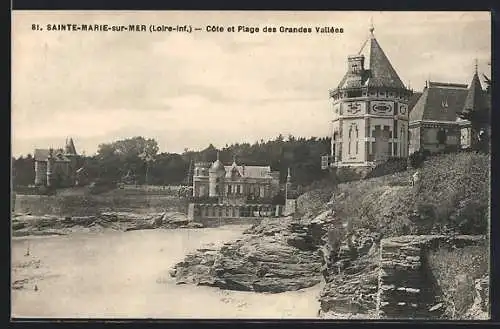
<point x="444" y="103"/>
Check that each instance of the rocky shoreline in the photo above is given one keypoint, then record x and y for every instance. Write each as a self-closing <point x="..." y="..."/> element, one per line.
<point x="288" y="254"/>
<point x="275" y="255"/>
<point x="27" y="224"/>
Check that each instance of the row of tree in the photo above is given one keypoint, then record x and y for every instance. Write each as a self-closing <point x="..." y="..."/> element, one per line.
<point x="138" y="159"/>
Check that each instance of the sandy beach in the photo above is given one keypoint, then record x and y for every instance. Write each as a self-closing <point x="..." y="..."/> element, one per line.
<point x="125" y="274"/>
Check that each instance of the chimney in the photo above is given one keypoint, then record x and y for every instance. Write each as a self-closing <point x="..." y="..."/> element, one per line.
<point x="355" y="64"/>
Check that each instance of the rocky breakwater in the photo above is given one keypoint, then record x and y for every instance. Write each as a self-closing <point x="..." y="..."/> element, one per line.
<point x="407" y="286"/>
<point x="275" y="255"/>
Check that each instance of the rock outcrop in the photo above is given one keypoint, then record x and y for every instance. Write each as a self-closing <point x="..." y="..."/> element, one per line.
<point x="351" y="276"/>
<point x="407" y="286"/>
<point x="480" y="309"/>
<point x="275" y="255"/>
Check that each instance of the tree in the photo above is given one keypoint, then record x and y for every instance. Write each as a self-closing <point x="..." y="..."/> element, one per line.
<point x="23" y="171"/>
<point x="479" y="116"/>
<point x="134" y="154"/>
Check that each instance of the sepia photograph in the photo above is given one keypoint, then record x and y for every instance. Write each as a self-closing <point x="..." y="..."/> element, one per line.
<point x="250" y="165"/>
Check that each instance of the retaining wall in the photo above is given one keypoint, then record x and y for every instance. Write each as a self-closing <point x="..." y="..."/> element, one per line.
<point x="95" y="204"/>
<point x="407" y="288"/>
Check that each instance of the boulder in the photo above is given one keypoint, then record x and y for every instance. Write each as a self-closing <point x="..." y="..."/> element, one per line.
<point x="195" y="268"/>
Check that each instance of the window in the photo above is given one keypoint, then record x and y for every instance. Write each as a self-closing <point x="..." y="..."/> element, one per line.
<point x="324" y="161"/>
<point x="353" y="139"/>
<point x="238" y="189"/>
<point x="441" y="136"/>
<point x="354" y="93"/>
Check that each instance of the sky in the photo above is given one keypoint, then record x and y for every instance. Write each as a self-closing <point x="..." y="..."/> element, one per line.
<point x="187" y="90"/>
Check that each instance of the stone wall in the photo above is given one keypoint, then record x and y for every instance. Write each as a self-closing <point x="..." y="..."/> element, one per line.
<point x="219" y="214"/>
<point x="407" y="288"/>
<point x="76" y="205"/>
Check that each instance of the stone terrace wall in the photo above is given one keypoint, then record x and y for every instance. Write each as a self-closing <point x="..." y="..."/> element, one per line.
<point x="406" y="286"/>
<point x="59" y="205"/>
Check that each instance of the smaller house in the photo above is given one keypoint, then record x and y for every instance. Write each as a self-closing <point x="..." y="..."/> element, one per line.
<point x="235" y="183"/>
<point x="435" y="123"/>
<point x="56" y="167"/>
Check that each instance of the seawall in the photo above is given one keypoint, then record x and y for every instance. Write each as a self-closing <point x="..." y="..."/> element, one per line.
<point x="77" y="205"/>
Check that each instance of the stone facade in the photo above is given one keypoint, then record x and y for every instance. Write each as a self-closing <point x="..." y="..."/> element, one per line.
<point x="234" y="184"/>
<point x="56" y="168"/>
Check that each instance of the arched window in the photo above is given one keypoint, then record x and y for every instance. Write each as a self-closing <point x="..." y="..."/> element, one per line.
<point x="334" y="144"/>
<point x="357" y="142"/>
<point x="402" y="142"/>
<point x="350" y="138"/>
<point x="353" y="139"/>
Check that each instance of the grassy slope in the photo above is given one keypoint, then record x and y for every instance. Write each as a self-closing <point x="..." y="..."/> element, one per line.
<point x="453" y="196"/>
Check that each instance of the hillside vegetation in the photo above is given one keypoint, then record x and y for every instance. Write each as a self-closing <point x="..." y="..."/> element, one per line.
<point x="451" y="197"/>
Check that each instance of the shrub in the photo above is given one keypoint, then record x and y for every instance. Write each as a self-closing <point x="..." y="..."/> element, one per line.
<point x="453" y="197"/>
<point x="455" y="271"/>
<point x="417" y="159"/>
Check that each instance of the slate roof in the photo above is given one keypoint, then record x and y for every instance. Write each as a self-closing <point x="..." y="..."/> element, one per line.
<point x="249" y="171"/>
<point x="439" y="102"/>
<point x="70" y="147"/>
<point x="43" y="155"/>
<point x="414" y="99"/>
<point x="382" y="74"/>
<point x="475" y="99"/>
<point x="378" y="71"/>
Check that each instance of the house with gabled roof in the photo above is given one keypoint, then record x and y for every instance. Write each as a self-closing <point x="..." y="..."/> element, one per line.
<point x="435" y="119"/>
<point x="235" y="183"/>
<point x="56" y="167"/>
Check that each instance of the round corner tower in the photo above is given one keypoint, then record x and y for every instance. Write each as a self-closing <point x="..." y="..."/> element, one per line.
<point x="370" y="111"/>
<point x="216" y="175"/>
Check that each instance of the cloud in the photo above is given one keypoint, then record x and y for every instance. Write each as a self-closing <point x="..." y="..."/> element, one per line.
<point x="189" y="90"/>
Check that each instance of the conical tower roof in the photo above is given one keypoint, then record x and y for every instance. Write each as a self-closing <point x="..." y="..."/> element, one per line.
<point x="70" y="147"/>
<point x="379" y="71"/>
<point x="475" y="100"/>
<point x="382" y="74"/>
